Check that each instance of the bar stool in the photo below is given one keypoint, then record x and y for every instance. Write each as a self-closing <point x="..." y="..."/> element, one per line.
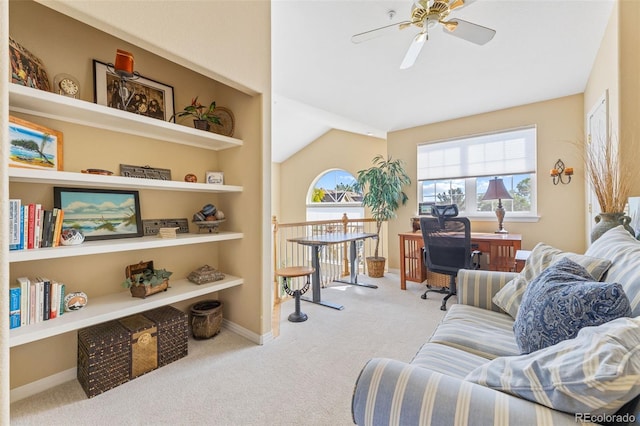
<point x="294" y="272"/>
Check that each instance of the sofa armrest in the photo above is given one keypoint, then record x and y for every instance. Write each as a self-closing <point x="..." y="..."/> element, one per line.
<point x="477" y="287"/>
<point x="390" y="392"/>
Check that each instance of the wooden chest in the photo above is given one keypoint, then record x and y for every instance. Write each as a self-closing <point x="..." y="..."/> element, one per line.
<point x="115" y="352"/>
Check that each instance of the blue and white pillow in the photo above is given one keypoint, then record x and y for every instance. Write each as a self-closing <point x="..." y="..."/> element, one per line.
<point x="596" y="372"/>
<point x="563" y="299"/>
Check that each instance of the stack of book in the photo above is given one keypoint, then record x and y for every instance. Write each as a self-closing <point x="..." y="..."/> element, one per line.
<point x="33" y="300"/>
<point x="32" y="227"/>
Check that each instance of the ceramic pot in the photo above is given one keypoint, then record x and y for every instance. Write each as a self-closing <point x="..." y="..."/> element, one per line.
<point x="201" y="124"/>
<point x="606" y="221"/>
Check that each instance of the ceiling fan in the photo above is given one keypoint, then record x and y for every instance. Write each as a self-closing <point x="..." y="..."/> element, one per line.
<point x="426" y="14"/>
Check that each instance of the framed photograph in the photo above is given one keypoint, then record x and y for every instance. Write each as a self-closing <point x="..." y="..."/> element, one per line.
<point x="101" y="214"/>
<point x="139" y="95"/>
<point x="34" y="146"/>
<point x="634" y="214"/>
<point x="215" y="177"/>
<point x="26" y="69"/>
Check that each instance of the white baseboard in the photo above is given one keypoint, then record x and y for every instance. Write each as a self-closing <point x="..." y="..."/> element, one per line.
<point x="54" y="380"/>
<point x="38" y="386"/>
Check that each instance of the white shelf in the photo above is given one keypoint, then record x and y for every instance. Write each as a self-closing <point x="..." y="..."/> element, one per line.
<point x="113" y="182"/>
<point x="113" y="306"/>
<point x="50" y="105"/>
<point x="119" y="245"/>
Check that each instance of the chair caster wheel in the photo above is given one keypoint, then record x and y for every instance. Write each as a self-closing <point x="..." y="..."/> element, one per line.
<point x="443" y="307"/>
<point x="424" y="296"/>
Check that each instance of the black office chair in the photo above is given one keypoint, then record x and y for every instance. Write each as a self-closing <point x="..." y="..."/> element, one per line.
<point x="447" y="246"/>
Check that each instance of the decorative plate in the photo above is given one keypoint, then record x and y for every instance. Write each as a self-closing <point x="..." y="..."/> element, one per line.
<point x="227" y="120"/>
<point x="74" y="301"/>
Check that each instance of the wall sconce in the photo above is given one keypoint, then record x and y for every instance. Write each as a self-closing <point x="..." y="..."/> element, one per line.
<point x="558" y="171"/>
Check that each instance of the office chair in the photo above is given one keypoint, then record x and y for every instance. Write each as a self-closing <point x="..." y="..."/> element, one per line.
<point x="447" y="246"/>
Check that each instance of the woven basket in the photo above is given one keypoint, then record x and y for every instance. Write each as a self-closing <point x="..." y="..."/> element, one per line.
<point x="436" y="280"/>
<point x="375" y="266"/>
<point x="206" y="319"/>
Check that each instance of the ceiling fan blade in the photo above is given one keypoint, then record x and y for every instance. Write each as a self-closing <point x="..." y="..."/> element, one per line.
<point x="377" y="32"/>
<point x="456" y="4"/>
<point x="468" y="31"/>
<point x="414" y="50"/>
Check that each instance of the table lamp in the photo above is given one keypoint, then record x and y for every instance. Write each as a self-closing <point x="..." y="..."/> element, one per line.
<point x="497" y="191"/>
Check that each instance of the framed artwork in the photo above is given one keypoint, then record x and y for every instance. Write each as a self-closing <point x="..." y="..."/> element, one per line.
<point x="26" y="69"/>
<point x="34" y="146"/>
<point x="139" y="95"/>
<point x="100" y="214"/>
<point x="215" y="177"/>
<point x="634" y="214"/>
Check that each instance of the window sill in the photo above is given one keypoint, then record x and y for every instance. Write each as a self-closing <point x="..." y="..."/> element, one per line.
<point x="507" y="218"/>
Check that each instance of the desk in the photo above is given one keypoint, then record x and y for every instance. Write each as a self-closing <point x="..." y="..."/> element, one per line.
<point x="315" y="242"/>
<point x="500" y="248"/>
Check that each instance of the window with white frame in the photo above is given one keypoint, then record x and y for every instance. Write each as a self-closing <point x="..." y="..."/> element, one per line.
<point x="333" y="194"/>
<point x="459" y="170"/>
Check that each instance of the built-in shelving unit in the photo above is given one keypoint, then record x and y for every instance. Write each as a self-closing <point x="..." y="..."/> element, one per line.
<point x="125" y="244"/>
<point x="50" y="105"/>
<point x="112" y="182"/>
<point x="117" y="305"/>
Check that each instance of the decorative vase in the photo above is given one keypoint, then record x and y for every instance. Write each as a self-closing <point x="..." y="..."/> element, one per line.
<point x="606" y="221"/>
<point x="375" y="266"/>
<point x="142" y="291"/>
<point x="201" y="124"/>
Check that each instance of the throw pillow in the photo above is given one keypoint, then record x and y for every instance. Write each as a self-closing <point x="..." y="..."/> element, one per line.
<point x="623" y="250"/>
<point x="562" y="300"/>
<point x="510" y="296"/>
<point x="596" y="372"/>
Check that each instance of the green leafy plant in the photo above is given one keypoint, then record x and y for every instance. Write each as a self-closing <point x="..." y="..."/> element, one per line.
<point x="199" y="112"/>
<point x="148" y="277"/>
<point x="382" y="188"/>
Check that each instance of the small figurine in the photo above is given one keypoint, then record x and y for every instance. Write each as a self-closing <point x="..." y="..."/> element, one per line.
<point x="191" y="178"/>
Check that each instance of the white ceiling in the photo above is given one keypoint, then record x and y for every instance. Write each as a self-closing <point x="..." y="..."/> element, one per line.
<point x="321" y="80"/>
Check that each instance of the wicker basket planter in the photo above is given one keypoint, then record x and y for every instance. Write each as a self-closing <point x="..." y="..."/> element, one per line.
<point x="206" y="319"/>
<point x="375" y="266"/>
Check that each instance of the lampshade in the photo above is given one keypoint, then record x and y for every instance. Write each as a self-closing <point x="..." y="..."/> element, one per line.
<point x="496" y="191"/>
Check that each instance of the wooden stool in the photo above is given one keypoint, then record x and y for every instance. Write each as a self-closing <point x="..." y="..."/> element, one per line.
<point x="294" y="272"/>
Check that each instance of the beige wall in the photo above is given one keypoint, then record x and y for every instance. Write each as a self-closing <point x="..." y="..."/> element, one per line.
<point x="335" y="149"/>
<point x="559" y="127"/>
<point x="248" y="96"/>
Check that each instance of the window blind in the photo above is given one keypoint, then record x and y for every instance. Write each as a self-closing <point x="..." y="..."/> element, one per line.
<point x="504" y="153"/>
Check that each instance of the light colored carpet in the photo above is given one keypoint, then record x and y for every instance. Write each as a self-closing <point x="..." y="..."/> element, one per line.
<point x="303" y="377"/>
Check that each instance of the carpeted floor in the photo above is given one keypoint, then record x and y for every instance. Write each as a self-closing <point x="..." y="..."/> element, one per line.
<point x="303" y="377"/>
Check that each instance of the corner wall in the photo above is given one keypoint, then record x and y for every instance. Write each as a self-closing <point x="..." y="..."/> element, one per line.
<point x="559" y="126"/>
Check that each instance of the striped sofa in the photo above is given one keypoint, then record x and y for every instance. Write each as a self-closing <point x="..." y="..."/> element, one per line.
<point x="432" y="390"/>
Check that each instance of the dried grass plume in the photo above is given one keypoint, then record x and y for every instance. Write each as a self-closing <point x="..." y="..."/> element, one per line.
<point x="610" y="178"/>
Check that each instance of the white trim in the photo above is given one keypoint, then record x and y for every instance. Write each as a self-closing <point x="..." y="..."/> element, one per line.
<point x="41" y="385"/>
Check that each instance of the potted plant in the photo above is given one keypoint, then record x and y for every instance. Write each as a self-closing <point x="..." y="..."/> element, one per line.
<point x="203" y="115"/>
<point x="381" y="186"/>
<point x="611" y="180"/>
<point x="148" y="281"/>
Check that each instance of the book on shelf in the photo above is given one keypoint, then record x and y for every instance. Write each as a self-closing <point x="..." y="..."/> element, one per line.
<point x="14" y="306"/>
<point x="36" y="299"/>
<point x="32" y="227"/>
<point x="37" y="226"/>
<point x="31" y="224"/>
<point x="58" y="227"/>
<point x="15" y="227"/>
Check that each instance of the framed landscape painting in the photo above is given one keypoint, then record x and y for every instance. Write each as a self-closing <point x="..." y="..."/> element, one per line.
<point x="100" y="214"/>
<point x="34" y="146"/>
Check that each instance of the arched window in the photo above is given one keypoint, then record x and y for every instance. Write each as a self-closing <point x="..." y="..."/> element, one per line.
<point x="332" y="194"/>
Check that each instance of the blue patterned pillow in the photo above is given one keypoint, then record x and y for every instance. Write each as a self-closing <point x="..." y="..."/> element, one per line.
<point x="563" y="299"/>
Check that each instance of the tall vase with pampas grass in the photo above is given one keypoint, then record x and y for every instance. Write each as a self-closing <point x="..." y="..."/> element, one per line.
<point x="611" y="180"/>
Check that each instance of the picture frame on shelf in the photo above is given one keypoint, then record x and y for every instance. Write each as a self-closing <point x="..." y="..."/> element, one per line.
<point x="101" y="214"/>
<point x="215" y="178"/>
<point x="27" y="69"/>
<point x="138" y="95"/>
<point x="34" y="146"/>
